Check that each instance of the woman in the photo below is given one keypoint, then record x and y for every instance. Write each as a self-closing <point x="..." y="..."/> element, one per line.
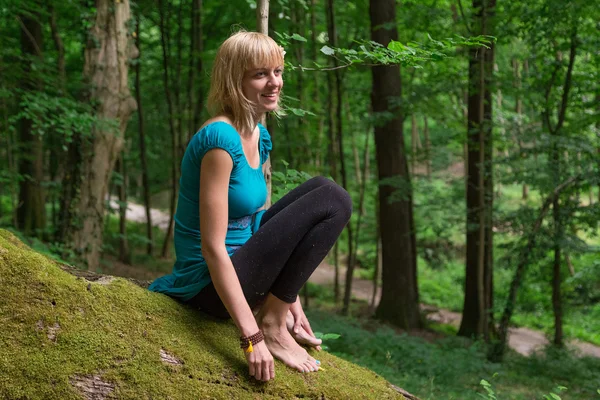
<point x="232" y="258"/>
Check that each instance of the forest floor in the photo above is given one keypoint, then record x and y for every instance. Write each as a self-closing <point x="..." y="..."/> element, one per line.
<point x="522" y="340"/>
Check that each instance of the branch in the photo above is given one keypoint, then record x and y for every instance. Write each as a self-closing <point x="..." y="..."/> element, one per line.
<point x="568" y="80"/>
<point x="30" y="36"/>
<point x="462" y="14"/>
<point x="546" y="113"/>
<point x="497" y="351"/>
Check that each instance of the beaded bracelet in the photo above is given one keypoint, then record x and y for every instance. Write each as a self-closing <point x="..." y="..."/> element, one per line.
<point x="246" y="342"/>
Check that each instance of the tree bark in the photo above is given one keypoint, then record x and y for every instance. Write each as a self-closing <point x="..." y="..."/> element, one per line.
<point x="556" y="173"/>
<point x="399" y="303"/>
<point x="31" y="213"/>
<point x="107" y="54"/>
<point x="56" y="160"/>
<point x="478" y="280"/>
<point x="316" y="83"/>
<point x="427" y="148"/>
<point x="262" y="26"/>
<point x="332" y="156"/>
<point x="332" y="33"/>
<point x="519" y="112"/>
<point x="195" y="102"/>
<point x="142" y="139"/>
<point x="174" y="136"/>
<point x="124" y="253"/>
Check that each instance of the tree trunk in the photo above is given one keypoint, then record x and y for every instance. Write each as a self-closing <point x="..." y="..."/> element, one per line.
<point x="124" y="253"/>
<point x="414" y="134"/>
<point x="332" y="156"/>
<point x="56" y="159"/>
<point x="31" y="213"/>
<point x="332" y="33"/>
<point x="556" y="276"/>
<point x="262" y="25"/>
<point x="172" y="129"/>
<point x="496" y="352"/>
<point x="478" y="278"/>
<point x="427" y="148"/>
<point x="555" y="167"/>
<point x="195" y="101"/>
<point x="107" y="55"/>
<point x="142" y="139"/>
<point x="399" y="303"/>
<point x="519" y="112"/>
<point x="316" y="83"/>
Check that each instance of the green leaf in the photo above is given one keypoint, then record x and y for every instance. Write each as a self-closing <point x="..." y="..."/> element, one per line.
<point x="297" y="37"/>
<point x="331" y="336"/>
<point x="396" y="46"/>
<point x="554" y="396"/>
<point x="328" y="51"/>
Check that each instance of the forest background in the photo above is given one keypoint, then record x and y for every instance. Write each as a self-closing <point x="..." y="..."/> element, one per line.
<point x="468" y="135"/>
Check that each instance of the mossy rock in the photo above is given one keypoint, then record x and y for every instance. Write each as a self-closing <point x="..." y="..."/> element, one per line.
<point x="68" y="337"/>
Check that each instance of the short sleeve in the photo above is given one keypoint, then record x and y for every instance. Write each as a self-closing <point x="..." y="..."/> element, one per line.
<point x="220" y="135"/>
<point x="265" y="144"/>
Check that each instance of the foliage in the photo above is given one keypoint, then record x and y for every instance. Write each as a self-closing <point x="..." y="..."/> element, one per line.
<point x="438" y="367"/>
<point x="283" y="182"/>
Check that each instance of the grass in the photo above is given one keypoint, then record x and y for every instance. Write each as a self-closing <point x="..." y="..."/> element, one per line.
<point x="447" y="367"/>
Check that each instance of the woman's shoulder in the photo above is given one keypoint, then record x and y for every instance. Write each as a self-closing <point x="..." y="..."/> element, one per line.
<point x="265" y="143"/>
<point x="218" y="133"/>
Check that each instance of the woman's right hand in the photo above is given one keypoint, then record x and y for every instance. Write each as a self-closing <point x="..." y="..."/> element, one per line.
<point x="260" y="362"/>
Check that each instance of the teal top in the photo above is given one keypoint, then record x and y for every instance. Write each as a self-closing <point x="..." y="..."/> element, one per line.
<point x="247" y="193"/>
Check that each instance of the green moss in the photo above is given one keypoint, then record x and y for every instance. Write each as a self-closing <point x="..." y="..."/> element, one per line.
<point x="57" y="327"/>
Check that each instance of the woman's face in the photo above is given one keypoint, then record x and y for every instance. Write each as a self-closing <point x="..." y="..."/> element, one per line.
<point x="263" y="87"/>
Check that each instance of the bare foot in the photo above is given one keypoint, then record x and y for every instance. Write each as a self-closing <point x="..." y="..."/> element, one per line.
<point x="302" y="336"/>
<point x="283" y="346"/>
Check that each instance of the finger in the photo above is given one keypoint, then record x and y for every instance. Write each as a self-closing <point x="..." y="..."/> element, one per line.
<point x="251" y="368"/>
<point x="297" y="325"/>
<point x="272" y="369"/>
<point x="266" y="372"/>
<point x="308" y="328"/>
<point x="258" y="370"/>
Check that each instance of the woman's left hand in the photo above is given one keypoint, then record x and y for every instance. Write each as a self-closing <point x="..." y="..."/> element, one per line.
<point x="299" y="327"/>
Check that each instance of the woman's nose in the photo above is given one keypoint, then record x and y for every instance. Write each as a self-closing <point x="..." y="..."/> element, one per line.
<point x="273" y="80"/>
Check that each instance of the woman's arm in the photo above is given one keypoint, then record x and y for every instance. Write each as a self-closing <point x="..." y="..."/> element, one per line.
<point x="214" y="186"/>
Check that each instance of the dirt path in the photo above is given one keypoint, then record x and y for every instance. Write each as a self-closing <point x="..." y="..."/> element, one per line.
<point x="523" y="340"/>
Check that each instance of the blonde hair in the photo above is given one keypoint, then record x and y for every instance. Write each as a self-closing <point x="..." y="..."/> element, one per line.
<point x="243" y="51"/>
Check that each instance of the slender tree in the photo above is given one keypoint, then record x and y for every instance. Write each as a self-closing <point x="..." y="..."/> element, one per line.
<point x="31" y="214"/>
<point x="399" y="297"/>
<point x="555" y="169"/>
<point x="164" y="40"/>
<point x="478" y="278"/>
<point x="262" y="25"/>
<point x="124" y="252"/>
<point x="142" y="141"/>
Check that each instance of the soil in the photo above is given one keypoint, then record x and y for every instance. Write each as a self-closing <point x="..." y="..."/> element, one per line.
<point x="522" y="340"/>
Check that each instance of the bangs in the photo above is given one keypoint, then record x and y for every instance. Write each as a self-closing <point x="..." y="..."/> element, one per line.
<point x="261" y="52"/>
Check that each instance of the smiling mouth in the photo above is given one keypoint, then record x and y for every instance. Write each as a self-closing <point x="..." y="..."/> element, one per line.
<point x="270" y="95"/>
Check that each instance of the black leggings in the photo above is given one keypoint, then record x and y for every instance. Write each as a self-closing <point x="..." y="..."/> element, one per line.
<point x="295" y="235"/>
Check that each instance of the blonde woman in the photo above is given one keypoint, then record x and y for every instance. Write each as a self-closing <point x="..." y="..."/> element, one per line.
<point x="231" y="257"/>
